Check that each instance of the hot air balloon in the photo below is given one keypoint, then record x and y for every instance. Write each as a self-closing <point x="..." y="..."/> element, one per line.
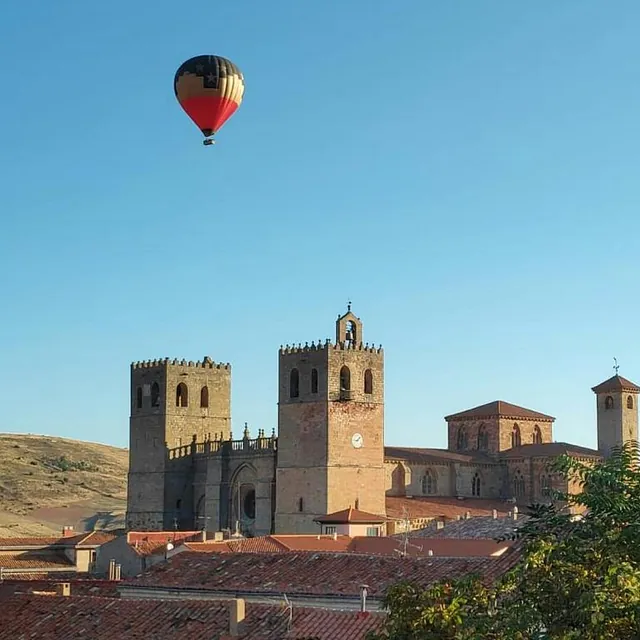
<point x="210" y="90"/>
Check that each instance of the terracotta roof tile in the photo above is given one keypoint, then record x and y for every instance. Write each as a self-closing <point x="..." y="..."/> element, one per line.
<point x="616" y="383"/>
<point x="450" y="508"/>
<point x="432" y="547"/>
<point x="54" y="617"/>
<point x="500" y="409"/>
<point x="318" y="574"/>
<point x="28" y="560"/>
<point x="478" y="527"/>
<point x="87" y="538"/>
<point x="350" y="515"/>
<point x="96" y="538"/>
<point x="549" y="449"/>
<point x="264" y="544"/>
<point x="442" y="456"/>
<point x="151" y="543"/>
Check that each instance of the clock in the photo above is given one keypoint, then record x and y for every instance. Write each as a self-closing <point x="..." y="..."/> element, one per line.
<point x="356" y="440"/>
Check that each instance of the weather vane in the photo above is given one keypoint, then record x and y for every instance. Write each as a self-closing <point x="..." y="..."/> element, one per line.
<point x="616" y="366"/>
<point x="349" y="305"/>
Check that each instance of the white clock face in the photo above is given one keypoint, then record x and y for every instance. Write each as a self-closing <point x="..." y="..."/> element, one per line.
<point x="357" y="440"/>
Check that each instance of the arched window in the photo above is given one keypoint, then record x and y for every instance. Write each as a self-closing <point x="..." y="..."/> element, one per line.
<point x="204" y="397"/>
<point x="483" y="438"/>
<point x="368" y="381"/>
<point x="608" y="402"/>
<point x="516" y="438"/>
<point x="462" y="441"/>
<point x="182" y="395"/>
<point x="429" y="483"/>
<point x="537" y="435"/>
<point x="351" y="333"/>
<point x="139" y="398"/>
<point x="545" y="485"/>
<point x="476" y="485"/>
<point x="155" y="395"/>
<point x="294" y="383"/>
<point x="314" y="381"/>
<point x="629" y="402"/>
<point x="518" y="484"/>
<point x="345" y="379"/>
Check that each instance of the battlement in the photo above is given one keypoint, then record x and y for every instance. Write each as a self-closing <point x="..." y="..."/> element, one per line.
<point x="206" y="363"/>
<point x="328" y="344"/>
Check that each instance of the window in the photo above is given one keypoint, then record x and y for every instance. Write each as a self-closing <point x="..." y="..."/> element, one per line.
<point x="330" y="529"/>
<point x="373" y="531"/>
<point x="314" y="381"/>
<point x="345" y="379"/>
<point x="629" y="402"/>
<point x="294" y="383"/>
<point x="368" y="381"/>
<point x="518" y="484"/>
<point x="301" y="505"/>
<point x="204" y="397"/>
<point x="178" y="505"/>
<point x="545" y="485"/>
<point x="476" y="485"/>
<point x="350" y="333"/>
<point x="139" y="398"/>
<point x="155" y="395"/>
<point x="608" y="402"/>
<point x="182" y="395"/>
<point x="516" y="438"/>
<point x="483" y="438"/>
<point x="537" y="435"/>
<point x="462" y="441"/>
<point x="429" y="483"/>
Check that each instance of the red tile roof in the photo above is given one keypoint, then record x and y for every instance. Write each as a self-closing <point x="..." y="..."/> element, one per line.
<point x="29" y="561"/>
<point x="96" y="539"/>
<point x="500" y="409"/>
<point x="436" y="456"/>
<point x="88" y="538"/>
<point x="351" y="516"/>
<point x="312" y="574"/>
<point x="56" y="617"/>
<point x="614" y="384"/>
<point x="550" y="450"/>
<point x="423" y="507"/>
<point x="150" y="543"/>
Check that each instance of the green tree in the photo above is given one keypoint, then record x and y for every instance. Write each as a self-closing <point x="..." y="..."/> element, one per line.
<point x="578" y="578"/>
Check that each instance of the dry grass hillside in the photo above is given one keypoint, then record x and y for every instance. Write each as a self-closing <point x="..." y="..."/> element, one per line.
<point x="48" y="482"/>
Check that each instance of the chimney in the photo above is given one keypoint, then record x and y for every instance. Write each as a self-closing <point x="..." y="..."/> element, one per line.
<point x="63" y="589"/>
<point x="335" y="535"/>
<point x="515" y="513"/>
<point x="439" y="524"/>
<point x="364" y="590"/>
<point x="494" y="513"/>
<point x="67" y="531"/>
<point x="112" y="569"/>
<point x="237" y="617"/>
<point x="467" y="515"/>
<point x="430" y="552"/>
<point x="118" y="570"/>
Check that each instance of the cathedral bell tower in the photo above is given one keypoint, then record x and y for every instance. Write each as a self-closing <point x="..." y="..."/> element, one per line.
<point x="617" y="409"/>
<point x="330" y="428"/>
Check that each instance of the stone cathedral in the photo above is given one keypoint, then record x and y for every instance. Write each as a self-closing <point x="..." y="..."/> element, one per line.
<point x="188" y="471"/>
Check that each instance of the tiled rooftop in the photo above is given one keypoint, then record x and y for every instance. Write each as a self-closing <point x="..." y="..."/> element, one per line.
<point x="29" y="561"/>
<point x="616" y="383"/>
<point x="318" y="574"/>
<point x="421" y="455"/>
<point x="550" y="449"/>
<point x="500" y="409"/>
<point x="149" y="543"/>
<point x="87" y="538"/>
<point x="57" y="617"/>
<point x="370" y="545"/>
<point x="450" y="508"/>
<point x="479" y="527"/>
<point x="351" y="516"/>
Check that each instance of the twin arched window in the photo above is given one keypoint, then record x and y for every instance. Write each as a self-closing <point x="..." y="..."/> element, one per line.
<point x="462" y="441"/>
<point x="476" y="485"/>
<point x="537" y="435"/>
<point x="429" y="483"/>
<point x="345" y="381"/>
<point x="518" y="484"/>
<point x="483" y="438"/>
<point x="516" y="436"/>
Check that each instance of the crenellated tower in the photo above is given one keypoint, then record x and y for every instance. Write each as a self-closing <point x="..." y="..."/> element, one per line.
<point x="330" y="428"/>
<point x="174" y="403"/>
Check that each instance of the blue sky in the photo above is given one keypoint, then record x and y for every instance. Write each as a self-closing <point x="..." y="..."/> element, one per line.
<point x="466" y="172"/>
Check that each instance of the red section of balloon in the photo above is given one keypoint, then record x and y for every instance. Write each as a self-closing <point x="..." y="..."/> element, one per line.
<point x="209" y="112"/>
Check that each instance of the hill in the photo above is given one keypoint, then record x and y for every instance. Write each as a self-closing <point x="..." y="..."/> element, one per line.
<point x="48" y="482"/>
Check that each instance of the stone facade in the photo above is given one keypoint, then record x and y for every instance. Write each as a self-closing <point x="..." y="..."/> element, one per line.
<point x="187" y="470"/>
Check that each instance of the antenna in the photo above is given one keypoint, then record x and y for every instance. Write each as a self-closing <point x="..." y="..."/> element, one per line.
<point x="405" y="536"/>
<point x="616" y="366"/>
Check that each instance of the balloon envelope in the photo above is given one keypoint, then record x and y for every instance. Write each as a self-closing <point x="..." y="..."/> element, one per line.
<point x="209" y="89"/>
